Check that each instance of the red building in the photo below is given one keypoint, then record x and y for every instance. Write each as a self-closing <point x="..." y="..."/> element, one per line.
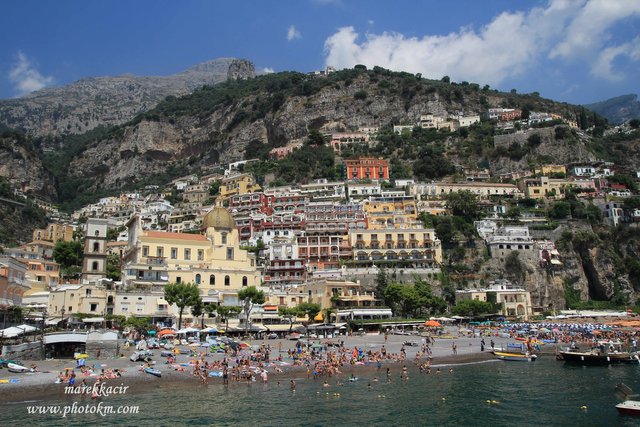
<point x="367" y="168"/>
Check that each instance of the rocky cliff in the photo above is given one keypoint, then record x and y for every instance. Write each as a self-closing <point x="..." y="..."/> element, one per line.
<point x="217" y="124"/>
<point x="95" y="101"/>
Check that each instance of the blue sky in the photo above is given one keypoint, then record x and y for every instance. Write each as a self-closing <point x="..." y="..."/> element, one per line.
<point x="577" y="51"/>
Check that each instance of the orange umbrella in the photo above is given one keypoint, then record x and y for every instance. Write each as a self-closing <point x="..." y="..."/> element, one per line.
<point x="432" y="323"/>
<point x="166" y="332"/>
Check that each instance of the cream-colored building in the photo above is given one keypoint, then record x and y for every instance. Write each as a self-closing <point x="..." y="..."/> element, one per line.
<point x="213" y="260"/>
<point x="511" y="301"/>
<point x="337" y="294"/>
<point x="481" y="189"/>
<point x="414" y="245"/>
<point x="67" y="300"/>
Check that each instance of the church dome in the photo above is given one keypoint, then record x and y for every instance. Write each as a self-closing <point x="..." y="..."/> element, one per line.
<point x="218" y="218"/>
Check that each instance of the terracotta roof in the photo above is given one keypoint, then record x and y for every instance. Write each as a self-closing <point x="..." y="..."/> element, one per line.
<point x="176" y="236"/>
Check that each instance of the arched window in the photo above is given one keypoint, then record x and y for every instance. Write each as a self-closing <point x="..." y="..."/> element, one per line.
<point x="197" y="279"/>
<point x="97" y="233"/>
<point x="212" y="280"/>
<point x="227" y="281"/>
<point x="94" y="266"/>
<point x="244" y="280"/>
<point x="96" y="247"/>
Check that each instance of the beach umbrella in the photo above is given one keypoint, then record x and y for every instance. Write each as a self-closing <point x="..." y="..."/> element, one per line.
<point x="432" y="324"/>
<point x="544" y="330"/>
<point x="166" y="332"/>
<point x="151" y="332"/>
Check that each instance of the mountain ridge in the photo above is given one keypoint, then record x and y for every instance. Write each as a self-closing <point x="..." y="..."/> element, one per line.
<point x="618" y="109"/>
<point x="109" y="100"/>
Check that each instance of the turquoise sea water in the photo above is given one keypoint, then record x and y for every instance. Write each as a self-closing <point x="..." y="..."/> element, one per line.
<point x="543" y="393"/>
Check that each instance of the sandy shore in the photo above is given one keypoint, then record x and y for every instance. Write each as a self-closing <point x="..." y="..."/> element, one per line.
<point x="41" y="385"/>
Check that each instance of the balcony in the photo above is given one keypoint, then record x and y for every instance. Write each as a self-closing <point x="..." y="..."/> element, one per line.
<point x="153" y="260"/>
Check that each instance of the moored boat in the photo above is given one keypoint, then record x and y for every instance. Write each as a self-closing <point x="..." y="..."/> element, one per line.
<point x="19" y="369"/>
<point x="153" y="372"/>
<point x="629" y="407"/>
<point x="595" y="357"/>
<point x="516" y="357"/>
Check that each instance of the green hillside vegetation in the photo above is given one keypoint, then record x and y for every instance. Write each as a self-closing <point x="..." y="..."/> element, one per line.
<point x="263" y="96"/>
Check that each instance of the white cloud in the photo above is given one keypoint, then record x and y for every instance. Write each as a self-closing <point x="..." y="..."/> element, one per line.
<point x="268" y="70"/>
<point x="603" y="67"/>
<point x="588" y="29"/>
<point x="25" y="77"/>
<point x="508" y="46"/>
<point x="292" y="33"/>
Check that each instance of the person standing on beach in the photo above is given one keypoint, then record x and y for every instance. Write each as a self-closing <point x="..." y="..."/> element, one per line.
<point x="454" y="348"/>
<point x="482" y="344"/>
<point x="492" y="344"/>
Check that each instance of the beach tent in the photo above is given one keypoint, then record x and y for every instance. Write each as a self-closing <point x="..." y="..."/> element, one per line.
<point x="432" y="324"/>
<point x="16" y="331"/>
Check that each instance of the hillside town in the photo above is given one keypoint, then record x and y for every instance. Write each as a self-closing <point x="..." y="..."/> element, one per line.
<point x="324" y="242"/>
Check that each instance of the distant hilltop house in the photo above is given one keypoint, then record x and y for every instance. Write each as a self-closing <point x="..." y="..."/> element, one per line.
<point x="280" y="153"/>
<point x="367" y="168"/>
<point x="341" y="139"/>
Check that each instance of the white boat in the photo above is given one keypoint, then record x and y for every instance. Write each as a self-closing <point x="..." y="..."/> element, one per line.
<point x="17" y="368"/>
<point x="630" y="407"/>
<point x="516" y="357"/>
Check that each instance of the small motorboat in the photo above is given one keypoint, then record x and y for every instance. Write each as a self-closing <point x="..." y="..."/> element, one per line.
<point x="153" y="372"/>
<point x="19" y="369"/>
<point x="629" y="407"/>
<point x="515" y="357"/>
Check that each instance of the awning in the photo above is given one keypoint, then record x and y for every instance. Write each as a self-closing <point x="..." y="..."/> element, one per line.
<point x="556" y="262"/>
<point x="281" y="328"/>
<point x="93" y="320"/>
<point x="53" y="321"/>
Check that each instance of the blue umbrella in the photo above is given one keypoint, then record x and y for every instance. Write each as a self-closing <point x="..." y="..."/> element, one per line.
<point x="151" y="332"/>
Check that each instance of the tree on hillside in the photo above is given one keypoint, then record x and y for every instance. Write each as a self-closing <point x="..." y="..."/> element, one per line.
<point x="473" y="308"/>
<point x="69" y="256"/>
<point x="464" y="204"/>
<point x="114" y="264"/>
<point x="382" y="281"/>
<point x="250" y="296"/>
<point x="183" y="295"/>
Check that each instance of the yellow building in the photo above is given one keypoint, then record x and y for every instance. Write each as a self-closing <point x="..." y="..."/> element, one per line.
<point x="549" y="169"/>
<point x="238" y="185"/>
<point x="383" y="212"/>
<point x="212" y="260"/>
<point x="541" y="187"/>
<point x="415" y="246"/>
<point x="54" y="232"/>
